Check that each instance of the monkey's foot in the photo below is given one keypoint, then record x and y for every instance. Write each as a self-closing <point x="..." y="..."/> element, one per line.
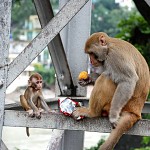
<point x="31" y="113"/>
<point x="114" y="118"/>
<point x="80" y="111"/>
<point x="38" y="114"/>
<point x="52" y="111"/>
<point x="41" y="110"/>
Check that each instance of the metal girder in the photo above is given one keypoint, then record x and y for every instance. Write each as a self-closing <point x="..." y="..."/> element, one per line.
<point x="144" y="8"/>
<point x="5" y="18"/>
<point x="56" y="50"/>
<point x="46" y="35"/>
<point x="3" y="146"/>
<point x="60" y="121"/>
<point x="53" y="102"/>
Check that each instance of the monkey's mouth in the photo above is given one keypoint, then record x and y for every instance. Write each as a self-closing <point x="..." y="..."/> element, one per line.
<point x="38" y="88"/>
<point x="96" y="64"/>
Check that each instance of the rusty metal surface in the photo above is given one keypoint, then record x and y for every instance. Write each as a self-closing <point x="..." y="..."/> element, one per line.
<point x="59" y="121"/>
<point x="43" y="38"/>
<point x="5" y="17"/>
<point x="56" y="50"/>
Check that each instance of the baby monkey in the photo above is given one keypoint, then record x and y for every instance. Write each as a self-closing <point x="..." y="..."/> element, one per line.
<point x="33" y="101"/>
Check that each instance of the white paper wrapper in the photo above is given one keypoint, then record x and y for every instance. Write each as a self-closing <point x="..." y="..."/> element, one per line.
<point x="67" y="106"/>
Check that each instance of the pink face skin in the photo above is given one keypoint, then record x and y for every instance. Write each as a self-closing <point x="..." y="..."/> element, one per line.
<point x="94" y="61"/>
<point x="37" y="83"/>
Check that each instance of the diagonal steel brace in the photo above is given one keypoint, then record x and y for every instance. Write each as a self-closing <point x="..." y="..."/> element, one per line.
<point x="56" y="49"/>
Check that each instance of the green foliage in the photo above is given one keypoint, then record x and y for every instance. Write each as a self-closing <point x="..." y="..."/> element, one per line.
<point x="54" y="3"/>
<point x="106" y="15"/>
<point x="47" y="74"/>
<point x="145" y="148"/>
<point x="127" y="28"/>
<point x="145" y="143"/>
<point x="97" y="146"/>
<point x="146" y="140"/>
<point x="128" y="25"/>
<point x="21" y="10"/>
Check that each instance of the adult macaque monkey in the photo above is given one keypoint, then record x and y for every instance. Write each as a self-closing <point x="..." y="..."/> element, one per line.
<point x="33" y="101"/>
<point x="122" y="87"/>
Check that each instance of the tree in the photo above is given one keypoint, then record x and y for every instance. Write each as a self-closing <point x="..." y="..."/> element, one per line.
<point x="137" y="31"/>
<point x="106" y="15"/>
<point x="21" y="10"/>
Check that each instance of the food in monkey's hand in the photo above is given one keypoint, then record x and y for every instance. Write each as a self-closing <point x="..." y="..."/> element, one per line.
<point x="84" y="79"/>
<point x="83" y="75"/>
<point x="87" y="79"/>
<point x="68" y="106"/>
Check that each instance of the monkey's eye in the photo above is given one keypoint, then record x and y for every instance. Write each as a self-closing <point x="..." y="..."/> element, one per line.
<point x="95" y="56"/>
<point x="37" y="82"/>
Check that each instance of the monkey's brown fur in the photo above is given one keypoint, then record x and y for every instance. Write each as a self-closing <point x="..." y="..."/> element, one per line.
<point x="110" y="50"/>
<point x="33" y="101"/>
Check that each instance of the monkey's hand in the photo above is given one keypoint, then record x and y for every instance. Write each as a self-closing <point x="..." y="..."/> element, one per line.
<point x="92" y="77"/>
<point x="80" y="111"/>
<point x="41" y="110"/>
<point x="30" y="113"/>
<point x="85" y="82"/>
<point x="113" y="118"/>
<point x="38" y="114"/>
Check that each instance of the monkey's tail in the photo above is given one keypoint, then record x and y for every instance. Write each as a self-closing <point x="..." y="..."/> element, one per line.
<point x="27" y="131"/>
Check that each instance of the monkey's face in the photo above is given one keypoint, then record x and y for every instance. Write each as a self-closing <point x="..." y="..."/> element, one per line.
<point x="94" y="60"/>
<point x="97" y="50"/>
<point x="36" y="83"/>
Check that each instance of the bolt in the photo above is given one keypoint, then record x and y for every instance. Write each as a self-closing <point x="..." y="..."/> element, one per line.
<point x="1" y="82"/>
<point x="61" y="77"/>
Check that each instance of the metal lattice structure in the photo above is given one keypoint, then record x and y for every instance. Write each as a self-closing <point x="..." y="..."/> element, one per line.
<point x="64" y="57"/>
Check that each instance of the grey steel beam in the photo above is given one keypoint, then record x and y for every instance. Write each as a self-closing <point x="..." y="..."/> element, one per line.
<point x="59" y="121"/>
<point x="56" y="50"/>
<point x="53" y="102"/>
<point x="144" y="8"/>
<point x="73" y="37"/>
<point x="5" y="19"/>
<point x="3" y="146"/>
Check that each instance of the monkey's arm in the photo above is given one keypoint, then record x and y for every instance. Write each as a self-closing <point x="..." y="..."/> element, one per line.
<point x="43" y="103"/>
<point x="126" y="79"/>
<point x="100" y="96"/>
<point x="90" y="81"/>
<point x="35" y="109"/>
<point x="31" y="99"/>
<point x="24" y="103"/>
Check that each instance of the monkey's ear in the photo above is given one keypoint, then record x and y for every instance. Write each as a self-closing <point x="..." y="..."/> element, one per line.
<point x="102" y="40"/>
<point x="29" y="83"/>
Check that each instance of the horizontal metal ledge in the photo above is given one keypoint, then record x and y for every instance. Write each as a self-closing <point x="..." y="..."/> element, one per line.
<point x="59" y="121"/>
<point x="53" y="103"/>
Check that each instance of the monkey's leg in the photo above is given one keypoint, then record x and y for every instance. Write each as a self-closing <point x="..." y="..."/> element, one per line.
<point x="26" y="106"/>
<point x="94" y="109"/>
<point x="39" y="105"/>
<point x="44" y="104"/>
<point x="24" y="103"/>
<point x="125" y="122"/>
<point x="33" y="103"/>
<point x="101" y="95"/>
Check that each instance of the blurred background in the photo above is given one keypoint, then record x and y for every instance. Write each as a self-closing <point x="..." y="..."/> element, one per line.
<point x="118" y="18"/>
